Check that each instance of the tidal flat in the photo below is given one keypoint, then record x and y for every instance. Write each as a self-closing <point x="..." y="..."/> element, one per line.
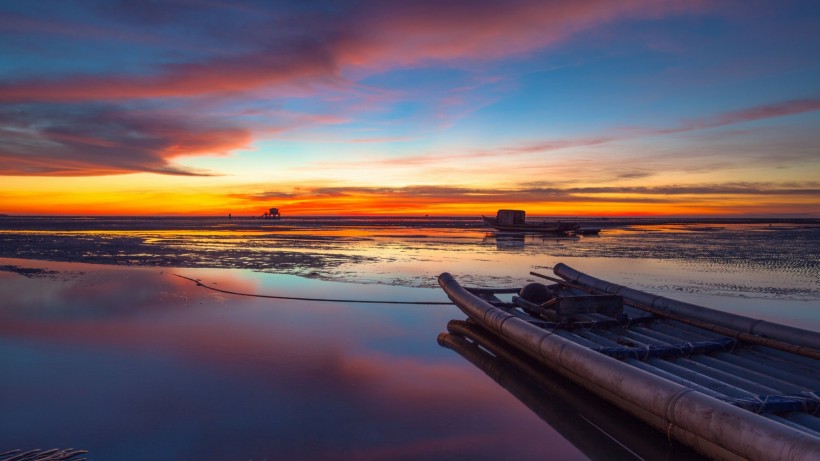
<point x="105" y="349"/>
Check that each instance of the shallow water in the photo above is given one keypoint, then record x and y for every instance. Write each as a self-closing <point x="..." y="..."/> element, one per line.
<point x="134" y="363"/>
<point x="130" y="362"/>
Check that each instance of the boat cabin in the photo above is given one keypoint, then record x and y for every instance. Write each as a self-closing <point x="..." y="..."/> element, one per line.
<point x="510" y="217"/>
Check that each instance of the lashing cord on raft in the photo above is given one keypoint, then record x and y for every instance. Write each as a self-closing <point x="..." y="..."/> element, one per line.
<point x="296" y="298"/>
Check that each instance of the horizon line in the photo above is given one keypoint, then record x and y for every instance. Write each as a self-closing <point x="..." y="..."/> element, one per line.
<point x="781" y="216"/>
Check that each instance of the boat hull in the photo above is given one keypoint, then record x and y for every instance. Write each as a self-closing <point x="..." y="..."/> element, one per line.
<point x="540" y="228"/>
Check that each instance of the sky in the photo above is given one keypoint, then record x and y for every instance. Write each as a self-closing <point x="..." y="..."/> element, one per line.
<point x="462" y="107"/>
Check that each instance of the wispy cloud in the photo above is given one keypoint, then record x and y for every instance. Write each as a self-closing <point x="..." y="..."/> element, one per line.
<point x="406" y="33"/>
<point x="427" y="195"/>
<point x="755" y="189"/>
<point x="749" y="114"/>
<point x="99" y="139"/>
<point x="761" y="112"/>
<point x="530" y="155"/>
<point x="286" y="44"/>
<point x="317" y="46"/>
<point x="222" y="75"/>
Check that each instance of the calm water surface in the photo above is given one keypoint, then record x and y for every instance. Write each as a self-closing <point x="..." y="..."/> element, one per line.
<point x="131" y="362"/>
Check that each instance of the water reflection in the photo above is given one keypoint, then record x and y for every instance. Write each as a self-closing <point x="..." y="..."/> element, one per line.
<point x="600" y="430"/>
<point x="506" y="241"/>
<point x="133" y="363"/>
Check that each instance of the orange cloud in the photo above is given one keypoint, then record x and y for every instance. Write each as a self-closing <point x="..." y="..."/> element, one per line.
<point x="543" y="199"/>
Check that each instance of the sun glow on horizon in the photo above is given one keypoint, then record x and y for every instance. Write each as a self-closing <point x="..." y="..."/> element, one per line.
<point x="128" y="196"/>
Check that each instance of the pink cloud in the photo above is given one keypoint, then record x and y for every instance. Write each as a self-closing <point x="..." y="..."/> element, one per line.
<point x="760" y="112"/>
<point x="92" y="140"/>
<point x="406" y="33"/>
<point x="219" y="75"/>
<point x="379" y="36"/>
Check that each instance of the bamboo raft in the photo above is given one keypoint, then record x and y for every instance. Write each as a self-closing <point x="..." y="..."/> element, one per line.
<point x="728" y="386"/>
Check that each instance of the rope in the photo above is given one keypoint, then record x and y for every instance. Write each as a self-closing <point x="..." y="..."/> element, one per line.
<point x="43" y="455"/>
<point x="812" y="397"/>
<point x="762" y="403"/>
<point x="296" y="298"/>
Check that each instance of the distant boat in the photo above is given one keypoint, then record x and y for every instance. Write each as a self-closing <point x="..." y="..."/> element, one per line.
<point x="273" y="213"/>
<point x="729" y="386"/>
<point x="514" y="221"/>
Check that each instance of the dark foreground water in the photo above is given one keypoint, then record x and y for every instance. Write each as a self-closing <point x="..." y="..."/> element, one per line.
<point x="126" y="360"/>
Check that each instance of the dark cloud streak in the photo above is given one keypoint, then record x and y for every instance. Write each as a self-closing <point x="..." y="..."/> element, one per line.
<point x="751" y="114"/>
<point x="93" y="139"/>
<point x="615" y="194"/>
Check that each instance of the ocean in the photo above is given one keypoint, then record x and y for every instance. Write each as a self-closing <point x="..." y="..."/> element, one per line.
<point x="104" y="348"/>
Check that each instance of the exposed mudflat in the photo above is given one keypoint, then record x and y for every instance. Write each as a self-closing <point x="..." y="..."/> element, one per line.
<point x="735" y="258"/>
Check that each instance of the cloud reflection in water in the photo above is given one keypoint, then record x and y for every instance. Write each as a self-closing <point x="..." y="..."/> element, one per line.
<point x="132" y="363"/>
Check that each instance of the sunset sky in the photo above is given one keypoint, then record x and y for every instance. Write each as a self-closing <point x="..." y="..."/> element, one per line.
<point x="210" y="107"/>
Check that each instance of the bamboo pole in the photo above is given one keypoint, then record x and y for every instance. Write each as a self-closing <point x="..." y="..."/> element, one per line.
<point x="723" y="330"/>
<point x="798" y="336"/>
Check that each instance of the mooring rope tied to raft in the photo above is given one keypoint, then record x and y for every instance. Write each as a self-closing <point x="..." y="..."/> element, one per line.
<point x="53" y="454"/>
<point x="328" y="300"/>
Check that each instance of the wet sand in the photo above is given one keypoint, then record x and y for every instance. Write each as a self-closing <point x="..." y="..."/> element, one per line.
<point x="762" y="269"/>
<point x="396" y="251"/>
